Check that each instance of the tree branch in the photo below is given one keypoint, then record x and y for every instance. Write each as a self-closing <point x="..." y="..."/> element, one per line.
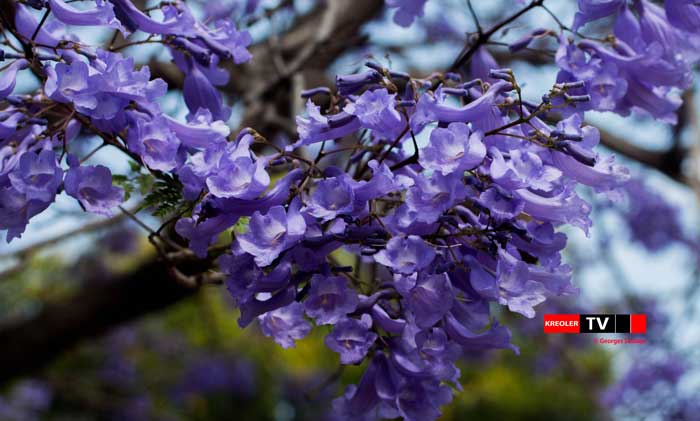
<point x="481" y="39"/>
<point x="315" y="42"/>
<point x="667" y="162"/>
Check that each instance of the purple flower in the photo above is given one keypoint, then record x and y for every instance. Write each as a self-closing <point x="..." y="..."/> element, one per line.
<point x="406" y="255"/>
<point x="338" y="194"/>
<point x="421" y="400"/>
<point x="360" y="401"/>
<point x="285" y="325"/>
<point x="199" y="94"/>
<point x="237" y="175"/>
<point x="460" y="327"/>
<point x="522" y="169"/>
<point x="37" y="176"/>
<point x="433" y="107"/>
<point x="16" y="210"/>
<point x="453" y="149"/>
<point x="482" y="62"/>
<point x="234" y="42"/>
<point x="407" y="10"/>
<point x="384" y="321"/>
<point x="329" y="299"/>
<point x="200" y="131"/>
<point x="466" y="222"/>
<point x="646" y="205"/>
<point x="117" y="77"/>
<point x="30" y="188"/>
<point x="376" y="110"/>
<point x="428" y="297"/>
<point x="223" y="39"/>
<point x="259" y="304"/>
<point x="649" y="55"/>
<point x="590" y="10"/>
<point x="684" y="14"/>
<point x="242" y="275"/>
<point x="101" y="15"/>
<point x="516" y="291"/>
<point x="349" y="84"/>
<point x="426" y="354"/>
<point x="155" y="143"/>
<point x="8" y="77"/>
<point x="317" y="127"/>
<point x="431" y="196"/>
<point x="105" y="87"/>
<point x="67" y="81"/>
<point x="564" y="206"/>
<point x="602" y="79"/>
<point x="26" y="25"/>
<point x="203" y="229"/>
<point x="92" y="187"/>
<point x="240" y="178"/>
<point x="603" y="176"/>
<point x="351" y="338"/>
<point x="679" y="48"/>
<point x="333" y="196"/>
<point x="270" y="234"/>
<point x="175" y="19"/>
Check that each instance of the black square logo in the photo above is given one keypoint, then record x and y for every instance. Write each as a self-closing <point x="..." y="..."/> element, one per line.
<point x="597" y="323"/>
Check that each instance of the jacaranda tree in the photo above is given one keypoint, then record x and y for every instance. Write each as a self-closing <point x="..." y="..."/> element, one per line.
<point x="394" y="210"/>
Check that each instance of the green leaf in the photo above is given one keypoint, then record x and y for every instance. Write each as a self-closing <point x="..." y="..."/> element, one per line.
<point x="165" y="196"/>
<point x="125" y="183"/>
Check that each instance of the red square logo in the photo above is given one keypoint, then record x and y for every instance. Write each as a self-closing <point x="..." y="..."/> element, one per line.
<point x="638" y="323"/>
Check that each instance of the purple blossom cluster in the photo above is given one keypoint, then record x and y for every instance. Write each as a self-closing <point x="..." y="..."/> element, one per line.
<point x="466" y="217"/>
<point x="643" y="65"/>
<point x="98" y="91"/>
<point x="647" y="205"/>
<point x="448" y="198"/>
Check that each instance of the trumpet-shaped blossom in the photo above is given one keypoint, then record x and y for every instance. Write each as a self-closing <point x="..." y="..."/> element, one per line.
<point x="92" y="187"/>
<point x="406" y="10"/>
<point x="272" y="233"/>
<point x="100" y="15"/>
<point x="376" y="110"/>
<point x="329" y="299"/>
<point x="429" y="297"/>
<point x="452" y="149"/>
<point x="153" y="140"/>
<point x="351" y="338"/>
<point x="37" y="176"/>
<point x="406" y="254"/>
<point x="285" y="325"/>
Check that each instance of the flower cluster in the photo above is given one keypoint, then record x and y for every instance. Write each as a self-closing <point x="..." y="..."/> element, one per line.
<point x="462" y="218"/>
<point x="100" y="91"/>
<point x="428" y="200"/>
<point x="643" y="65"/>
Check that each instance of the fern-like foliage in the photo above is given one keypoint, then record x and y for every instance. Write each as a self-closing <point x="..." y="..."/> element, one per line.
<point x="165" y="196"/>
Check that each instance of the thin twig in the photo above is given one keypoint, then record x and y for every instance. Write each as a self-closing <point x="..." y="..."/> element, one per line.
<point x="469" y="50"/>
